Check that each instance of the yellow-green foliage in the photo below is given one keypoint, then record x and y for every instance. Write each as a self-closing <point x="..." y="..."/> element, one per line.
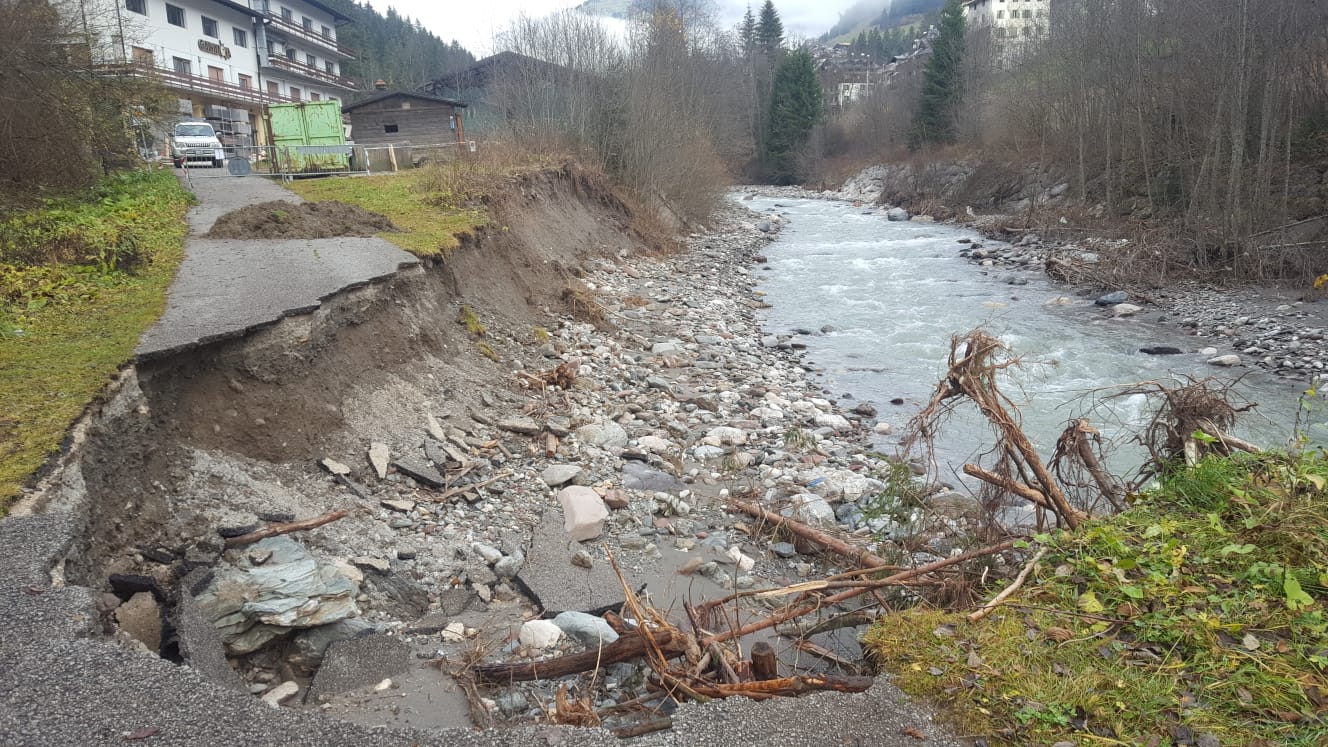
<point x="467" y="318"/>
<point x="81" y="277"/>
<point x="541" y="335"/>
<point x="487" y="350"/>
<point x="1200" y="610"/>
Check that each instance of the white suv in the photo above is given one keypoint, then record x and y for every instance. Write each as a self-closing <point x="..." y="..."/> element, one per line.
<point x="196" y="141"/>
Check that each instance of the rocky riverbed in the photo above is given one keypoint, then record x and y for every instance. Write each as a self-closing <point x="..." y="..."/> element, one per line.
<point x="480" y="525"/>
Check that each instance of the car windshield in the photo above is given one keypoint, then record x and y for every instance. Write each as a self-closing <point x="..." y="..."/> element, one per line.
<point x="194" y="130"/>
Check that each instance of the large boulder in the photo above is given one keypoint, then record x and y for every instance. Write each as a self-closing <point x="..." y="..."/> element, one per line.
<point x="584" y="512"/>
<point x="292" y="590"/>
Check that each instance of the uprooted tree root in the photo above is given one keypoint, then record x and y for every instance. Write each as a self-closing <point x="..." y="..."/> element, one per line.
<point x="1191" y="421"/>
<point x="976" y="359"/>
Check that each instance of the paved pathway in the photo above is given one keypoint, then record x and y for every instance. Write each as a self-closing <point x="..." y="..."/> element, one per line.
<point x="226" y="288"/>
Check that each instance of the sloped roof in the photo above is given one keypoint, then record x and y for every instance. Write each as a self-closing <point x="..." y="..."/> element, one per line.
<point x="384" y="95"/>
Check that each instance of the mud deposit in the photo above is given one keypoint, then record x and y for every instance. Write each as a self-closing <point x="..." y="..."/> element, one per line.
<point x="282" y="219"/>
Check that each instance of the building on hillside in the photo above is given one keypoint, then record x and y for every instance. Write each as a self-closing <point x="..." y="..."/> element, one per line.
<point x="1015" y="27"/>
<point x="405" y="118"/>
<point x="503" y="89"/>
<point x="223" y="59"/>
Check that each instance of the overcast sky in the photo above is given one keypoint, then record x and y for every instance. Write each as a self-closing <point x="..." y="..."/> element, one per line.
<point x="475" y="22"/>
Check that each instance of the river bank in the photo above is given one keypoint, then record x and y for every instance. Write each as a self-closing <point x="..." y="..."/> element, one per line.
<point x="463" y="424"/>
<point x="1283" y="330"/>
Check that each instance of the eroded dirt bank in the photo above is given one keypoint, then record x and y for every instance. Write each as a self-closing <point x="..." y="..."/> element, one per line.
<point x="416" y="406"/>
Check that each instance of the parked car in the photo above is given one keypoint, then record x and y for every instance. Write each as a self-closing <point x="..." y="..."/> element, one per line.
<point x="195" y="141"/>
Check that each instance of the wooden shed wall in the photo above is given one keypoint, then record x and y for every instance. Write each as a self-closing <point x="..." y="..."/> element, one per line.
<point x="422" y="124"/>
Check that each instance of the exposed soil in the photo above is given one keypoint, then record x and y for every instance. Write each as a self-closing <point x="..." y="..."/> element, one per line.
<point x="282" y="219"/>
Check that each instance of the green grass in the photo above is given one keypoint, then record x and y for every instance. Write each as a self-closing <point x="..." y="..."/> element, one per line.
<point x="81" y="278"/>
<point x="1199" y="610"/>
<point x="429" y="222"/>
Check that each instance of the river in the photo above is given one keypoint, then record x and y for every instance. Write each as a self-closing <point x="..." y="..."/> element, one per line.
<point x="895" y="292"/>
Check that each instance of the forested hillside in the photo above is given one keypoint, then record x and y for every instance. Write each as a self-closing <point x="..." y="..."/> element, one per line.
<point x="395" y="48"/>
<point x="881" y="14"/>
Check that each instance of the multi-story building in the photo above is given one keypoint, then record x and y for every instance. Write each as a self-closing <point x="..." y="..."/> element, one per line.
<point x="1015" y="25"/>
<point x="225" y="59"/>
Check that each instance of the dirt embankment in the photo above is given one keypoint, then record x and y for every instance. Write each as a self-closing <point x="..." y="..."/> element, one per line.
<point x="282" y="219"/>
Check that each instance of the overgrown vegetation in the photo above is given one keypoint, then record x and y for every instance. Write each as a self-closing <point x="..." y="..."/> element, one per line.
<point x="1199" y="611"/>
<point x="81" y="278"/>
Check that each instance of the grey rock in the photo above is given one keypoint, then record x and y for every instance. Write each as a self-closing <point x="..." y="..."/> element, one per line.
<point x="582" y="559"/>
<point x="896" y="214"/>
<point x="522" y="425"/>
<point x="557" y="475"/>
<point x="335" y="467"/>
<point x="373" y="564"/>
<point x="140" y="617"/>
<point x="489" y="553"/>
<point x="638" y="476"/>
<point x="509" y="566"/>
<point x="379" y="457"/>
<point x="588" y="630"/>
<point x="607" y="435"/>
<point x="1111" y="299"/>
<point x="311" y="644"/>
<point x="813" y="509"/>
<point x="419" y="471"/>
<point x="784" y="549"/>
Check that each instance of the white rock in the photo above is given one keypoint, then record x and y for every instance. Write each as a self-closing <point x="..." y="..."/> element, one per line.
<point x="607" y="435"/>
<point x="379" y="456"/>
<point x="584" y="512"/>
<point x="744" y="562"/>
<point x="384" y="685"/>
<point x="434" y="429"/>
<point x="1125" y="309"/>
<point x="455" y="632"/>
<point x="489" y="553"/>
<point x="656" y="445"/>
<point x="883" y="429"/>
<point x="397" y="505"/>
<point x="725" y="436"/>
<point x="1208" y="351"/>
<point x="1225" y="360"/>
<point x="539" y="634"/>
<point x="335" y="467"/>
<point x="281" y="693"/>
<point x="833" y="421"/>
<point x="813" y="509"/>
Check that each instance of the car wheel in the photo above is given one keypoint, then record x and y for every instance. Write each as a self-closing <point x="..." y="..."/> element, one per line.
<point x="179" y="163"/>
<point x="216" y="163"/>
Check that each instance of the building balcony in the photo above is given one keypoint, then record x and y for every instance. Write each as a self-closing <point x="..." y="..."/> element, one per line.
<point x="309" y="72"/>
<point x="298" y="31"/>
<point x="176" y="81"/>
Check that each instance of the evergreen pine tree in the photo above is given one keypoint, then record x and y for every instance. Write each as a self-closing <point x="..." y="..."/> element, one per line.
<point x="747" y="31"/>
<point x="941" y="86"/>
<point x="795" y="108"/>
<point x="769" y="30"/>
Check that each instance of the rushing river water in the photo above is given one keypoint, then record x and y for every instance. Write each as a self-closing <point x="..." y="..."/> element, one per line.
<point x="895" y="293"/>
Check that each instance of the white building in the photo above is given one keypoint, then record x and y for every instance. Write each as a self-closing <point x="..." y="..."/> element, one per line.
<point x="225" y="59"/>
<point x="1015" y="25"/>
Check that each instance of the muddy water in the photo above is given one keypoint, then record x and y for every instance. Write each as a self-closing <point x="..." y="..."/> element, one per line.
<point x="894" y="294"/>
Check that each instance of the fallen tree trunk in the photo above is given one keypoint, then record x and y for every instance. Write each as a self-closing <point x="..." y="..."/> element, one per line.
<point x="789" y="686"/>
<point x="833" y="544"/>
<point x="623" y="649"/>
<point x="803" y="608"/>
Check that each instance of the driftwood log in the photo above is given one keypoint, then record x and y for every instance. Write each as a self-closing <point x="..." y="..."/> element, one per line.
<point x="833" y="544"/>
<point x="625" y="648"/>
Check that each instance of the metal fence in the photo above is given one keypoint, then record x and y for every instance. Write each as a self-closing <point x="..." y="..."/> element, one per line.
<point x="284" y="162"/>
<point x="401" y="156"/>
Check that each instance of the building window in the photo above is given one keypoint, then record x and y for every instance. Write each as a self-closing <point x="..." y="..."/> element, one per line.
<point x="142" y="56"/>
<point x="331" y="98"/>
<point x="137" y="6"/>
<point x="327" y="32"/>
<point x="210" y="28"/>
<point x="1028" y="14"/>
<point x="310" y="60"/>
<point x="314" y="96"/>
<point x="274" y="89"/>
<point x="181" y="65"/>
<point x="216" y="74"/>
<point x="307" y="23"/>
<point x="286" y="14"/>
<point x="1000" y="14"/>
<point x="246" y="81"/>
<point x="389" y="129"/>
<point x="241" y="37"/>
<point x="330" y="66"/>
<point x="294" y="93"/>
<point x="290" y="53"/>
<point x="174" y="15"/>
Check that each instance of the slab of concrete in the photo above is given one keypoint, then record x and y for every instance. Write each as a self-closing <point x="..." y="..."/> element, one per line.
<point x="357" y="663"/>
<point x="560" y="585"/>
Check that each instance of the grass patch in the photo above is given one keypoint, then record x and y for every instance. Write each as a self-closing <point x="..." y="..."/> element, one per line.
<point x="81" y="278"/>
<point x="1200" y="611"/>
<point x="432" y="206"/>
